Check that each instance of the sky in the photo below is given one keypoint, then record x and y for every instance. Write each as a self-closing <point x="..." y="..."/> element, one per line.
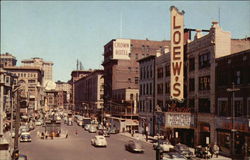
<point x="64" y="31"/>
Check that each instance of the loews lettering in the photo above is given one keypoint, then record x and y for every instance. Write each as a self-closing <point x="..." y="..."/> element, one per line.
<point x="176" y="54"/>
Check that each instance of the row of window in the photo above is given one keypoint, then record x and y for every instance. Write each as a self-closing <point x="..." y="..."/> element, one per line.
<point x="146" y="106"/>
<point x="160" y="71"/>
<point x="146" y="72"/>
<point x="224" y="109"/>
<point x="26" y="75"/>
<point x="204" y="83"/>
<point x="238" y="76"/>
<point x="204" y="61"/>
<point x="136" y="80"/>
<point x="146" y="89"/>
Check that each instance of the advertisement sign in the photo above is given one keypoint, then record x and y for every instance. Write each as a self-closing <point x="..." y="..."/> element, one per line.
<point x="179" y="120"/>
<point x="121" y="49"/>
<point x="177" y="60"/>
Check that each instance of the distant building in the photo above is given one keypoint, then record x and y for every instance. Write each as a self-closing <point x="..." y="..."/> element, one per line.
<point x="75" y="75"/>
<point x="67" y="88"/>
<point x="46" y="66"/>
<point x="7" y="83"/>
<point x="121" y="69"/>
<point x="147" y="94"/>
<point x="89" y="91"/>
<point x="31" y="78"/>
<point x="7" y="60"/>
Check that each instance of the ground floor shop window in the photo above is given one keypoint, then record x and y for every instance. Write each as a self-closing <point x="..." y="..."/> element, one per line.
<point x="224" y="141"/>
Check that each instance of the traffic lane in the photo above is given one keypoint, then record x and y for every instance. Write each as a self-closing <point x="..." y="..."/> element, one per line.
<point x="116" y="148"/>
<point x="78" y="146"/>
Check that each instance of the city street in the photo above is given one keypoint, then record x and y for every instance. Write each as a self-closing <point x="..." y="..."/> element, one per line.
<point x="78" y="147"/>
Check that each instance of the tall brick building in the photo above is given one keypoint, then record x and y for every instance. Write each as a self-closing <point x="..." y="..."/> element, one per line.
<point x="121" y="69"/>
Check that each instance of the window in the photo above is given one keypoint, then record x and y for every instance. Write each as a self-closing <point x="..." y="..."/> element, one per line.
<point x="204" y="60"/>
<point x="191" y="104"/>
<point x="160" y="88"/>
<point x="223" y="108"/>
<point x="248" y="107"/>
<point x="191" y="64"/>
<point x="167" y="88"/>
<point x="31" y="81"/>
<point x="129" y="79"/>
<point x="191" y="84"/>
<point x="204" y="83"/>
<point x="167" y="70"/>
<point x="222" y="77"/>
<point x="131" y="96"/>
<point x="150" y="71"/>
<point x="136" y="56"/>
<point x="136" y="80"/>
<point x="150" y="88"/>
<point x="159" y="72"/>
<point x="204" y="105"/>
<point x="237" y="77"/>
<point x="238" y="106"/>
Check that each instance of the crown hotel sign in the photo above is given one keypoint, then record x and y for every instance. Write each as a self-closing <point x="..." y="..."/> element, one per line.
<point x="121" y="49"/>
<point x="177" y="62"/>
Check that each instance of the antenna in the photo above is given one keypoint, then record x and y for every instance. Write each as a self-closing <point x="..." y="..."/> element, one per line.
<point x="219" y="16"/>
<point x="120" y="24"/>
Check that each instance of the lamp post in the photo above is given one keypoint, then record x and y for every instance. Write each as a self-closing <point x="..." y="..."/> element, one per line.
<point x="233" y="90"/>
<point x="158" y="110"/>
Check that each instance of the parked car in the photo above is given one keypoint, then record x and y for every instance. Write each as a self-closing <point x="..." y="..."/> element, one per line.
<point x="104" y="132"/>
<point x="23" y="129"/>
<point x="86" y="127"/>
<point x="134" y="146"/>
<point x="38" y="123"/>
<point x="113" y="131"/>
<point x="100" y="127"/>
<point x="172" y="156"/>
<point x="92" y="129"/>
<point x="183" y="150"/>
<point x="25" y="137"/>
<point x="165" y="145"/>
<point x="31" y="126"/>
<point x="99" y="141"/>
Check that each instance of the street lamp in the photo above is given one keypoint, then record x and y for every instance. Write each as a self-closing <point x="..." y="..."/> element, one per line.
<point x="233" y="90"/>
<point x="158" y="110"/>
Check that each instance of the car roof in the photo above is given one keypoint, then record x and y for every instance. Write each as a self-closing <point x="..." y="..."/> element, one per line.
<point x="25" y="133"/>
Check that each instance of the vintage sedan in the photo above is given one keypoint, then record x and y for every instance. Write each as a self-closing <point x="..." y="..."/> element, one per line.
<point x="92" y="129"/>
<point x="183" y="150"/>
<point x="165" y="145"/>
<point x="25" y="137"/>
<point x="134" y="146"/>
<point x="99" y="141"/>
<point x="172" y="156"/>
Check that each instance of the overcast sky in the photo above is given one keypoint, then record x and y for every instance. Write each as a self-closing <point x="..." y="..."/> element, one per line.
<point x="64" y="31"/>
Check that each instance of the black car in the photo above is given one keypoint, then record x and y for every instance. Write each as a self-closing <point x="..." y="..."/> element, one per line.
<point x="183" y="150"/>
<point x="134" y="146"/>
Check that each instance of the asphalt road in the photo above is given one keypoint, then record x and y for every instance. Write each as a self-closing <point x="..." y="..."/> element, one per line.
<point x="78" y="147"/>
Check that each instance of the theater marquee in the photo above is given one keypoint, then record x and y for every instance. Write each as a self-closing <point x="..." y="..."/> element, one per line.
<point x="177" y="60"/>
<point x="121" y="49"/>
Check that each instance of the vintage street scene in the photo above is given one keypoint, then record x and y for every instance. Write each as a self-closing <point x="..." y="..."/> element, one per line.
<point x="125" y="80"/>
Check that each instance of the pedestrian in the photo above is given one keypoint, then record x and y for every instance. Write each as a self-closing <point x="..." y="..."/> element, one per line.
<point x="215" y="150"/>
<point x="66" y="135"/>
<point x="76" y="132"/>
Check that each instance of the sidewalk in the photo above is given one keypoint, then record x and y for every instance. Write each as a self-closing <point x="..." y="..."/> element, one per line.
<point x="151" y="140"/>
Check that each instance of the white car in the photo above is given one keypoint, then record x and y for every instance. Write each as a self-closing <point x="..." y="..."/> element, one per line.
<point x="38" y="123"/>
<point x="99" y="141"/>
<point x="165" y="146"/>
<point x="25" y="137"/>
<point x="92" y="129"/>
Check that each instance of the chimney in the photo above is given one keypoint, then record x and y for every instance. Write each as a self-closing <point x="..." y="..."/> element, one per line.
<point x="166" y="49"/>
<point x="215" y="24"/>
<point x="158" y="53"/>
<point x="198" y="34"/>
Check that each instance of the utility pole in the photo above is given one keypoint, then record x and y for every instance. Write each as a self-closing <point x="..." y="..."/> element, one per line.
<point x="1" y="110"/>
<point x="17" y="123"/>
<point x="233" y="90"/>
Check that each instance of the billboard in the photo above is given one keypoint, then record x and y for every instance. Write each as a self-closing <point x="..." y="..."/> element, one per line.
<point x="121" y="49"/>
<point x="177" y="57"/>
<point x="179" y="120"/>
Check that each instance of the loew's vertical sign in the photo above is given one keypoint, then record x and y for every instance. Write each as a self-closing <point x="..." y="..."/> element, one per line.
<point x="177" y="57"/>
